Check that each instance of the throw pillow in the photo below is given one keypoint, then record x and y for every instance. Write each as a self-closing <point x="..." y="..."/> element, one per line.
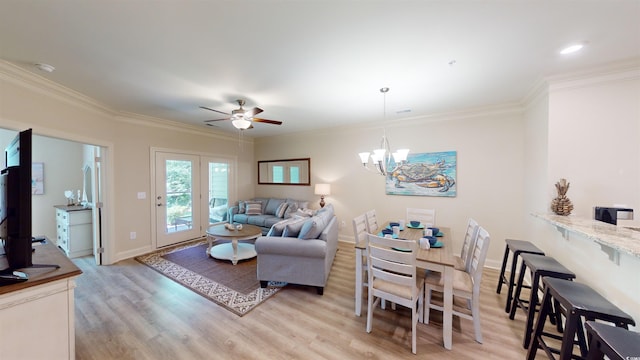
<point x="254" y="207"/>
<point x="282" y="208"/>
<point x="241" y="207"/>
<point x="291" y="209"/>
<point x="292" y="229"/>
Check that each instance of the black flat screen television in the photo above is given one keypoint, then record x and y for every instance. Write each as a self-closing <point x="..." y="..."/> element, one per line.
<point x="15" y="202"/>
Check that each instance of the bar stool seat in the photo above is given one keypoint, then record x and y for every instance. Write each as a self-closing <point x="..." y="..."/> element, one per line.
<point x="517" y="247"/>
<point x="540" y="266"/>
<point x="615" y="342"/>
<point x="576" y="301"/>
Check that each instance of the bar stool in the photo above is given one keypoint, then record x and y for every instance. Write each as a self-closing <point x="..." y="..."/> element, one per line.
<point x="517" y="247"/>
<point x="617" y="343"/>
<point x="575" y="301"/>
<point x="540" y="266"/>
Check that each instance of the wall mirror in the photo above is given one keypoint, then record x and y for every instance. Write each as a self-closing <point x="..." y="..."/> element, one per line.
<point x="86" y="187"/>
<point x="284" y="172"/>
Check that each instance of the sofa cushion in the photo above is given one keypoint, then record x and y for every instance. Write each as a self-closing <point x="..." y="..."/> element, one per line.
<point x="241" y="218"/>
<point x="242" y="207"/>
<point x="281" y="210"/>
<point x="302" y="204"/>
<point x="254" y="208"/>
<point x="292" y="229"/>
<point x="259" y="220"/>
<point x="272" y="206"/>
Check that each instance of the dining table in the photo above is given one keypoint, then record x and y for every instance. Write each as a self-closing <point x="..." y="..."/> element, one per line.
<point x="439" y="259"/>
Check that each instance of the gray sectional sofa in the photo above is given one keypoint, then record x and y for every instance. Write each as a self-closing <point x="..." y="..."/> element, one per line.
<point x="267" y="215"/>
<point x="299" y="250"/>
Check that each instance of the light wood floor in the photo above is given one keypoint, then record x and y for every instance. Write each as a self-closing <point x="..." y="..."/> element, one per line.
<point x="129" y="311"/>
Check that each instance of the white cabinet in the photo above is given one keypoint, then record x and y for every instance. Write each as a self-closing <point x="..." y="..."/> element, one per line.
<point x="74" y="230"/>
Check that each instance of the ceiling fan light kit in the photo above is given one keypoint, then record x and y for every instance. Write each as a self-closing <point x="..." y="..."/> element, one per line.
<point x="240" y="118"/>
<point x="381" y="157"/>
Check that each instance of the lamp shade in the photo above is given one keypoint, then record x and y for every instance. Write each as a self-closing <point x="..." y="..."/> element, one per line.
<point x="323" y="189"/>
<point x="242" y="124"/>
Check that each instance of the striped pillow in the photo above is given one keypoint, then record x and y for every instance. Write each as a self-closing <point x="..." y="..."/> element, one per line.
<point x="280" y="211"/>
<point x="253" y="207"/>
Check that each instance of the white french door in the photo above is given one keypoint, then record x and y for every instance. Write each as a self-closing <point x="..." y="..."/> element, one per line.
<point x="177" y="198"/>
<point x="191" y="192"/>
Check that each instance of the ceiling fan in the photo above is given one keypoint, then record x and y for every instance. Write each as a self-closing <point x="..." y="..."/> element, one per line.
<point x="240" y="118"/>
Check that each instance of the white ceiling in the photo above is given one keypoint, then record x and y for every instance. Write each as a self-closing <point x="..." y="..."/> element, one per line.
<point x="311" y="64"/>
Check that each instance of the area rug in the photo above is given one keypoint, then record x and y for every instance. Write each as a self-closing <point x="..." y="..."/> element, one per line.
<point x="234" y="287"/>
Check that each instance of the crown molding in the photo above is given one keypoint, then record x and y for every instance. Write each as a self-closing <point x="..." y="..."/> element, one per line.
<point x="16" y="75"/>
<point x="611" y="72"/>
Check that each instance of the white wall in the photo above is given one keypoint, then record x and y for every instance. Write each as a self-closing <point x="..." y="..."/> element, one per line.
<point x="490" y="168"/>
<point x="594" y="142"/>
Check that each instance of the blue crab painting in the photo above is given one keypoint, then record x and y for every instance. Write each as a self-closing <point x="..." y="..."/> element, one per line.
<point x="424" y="174"/>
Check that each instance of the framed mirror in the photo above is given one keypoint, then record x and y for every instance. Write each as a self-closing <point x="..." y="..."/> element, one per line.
<point x="284" y="172"/>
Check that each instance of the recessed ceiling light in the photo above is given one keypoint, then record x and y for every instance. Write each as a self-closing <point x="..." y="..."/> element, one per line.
<point x="45" y="67"/>
<point x="571" y="49"/>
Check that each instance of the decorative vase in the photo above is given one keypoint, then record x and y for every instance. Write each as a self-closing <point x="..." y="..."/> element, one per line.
<point x="561" y="205"/>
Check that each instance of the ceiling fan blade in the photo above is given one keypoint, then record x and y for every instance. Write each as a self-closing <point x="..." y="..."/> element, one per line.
<point x="253" y="112"/>
<point x="274" y="122"/>
<point x="214" y="110"/>
<point x="217" y="119"/>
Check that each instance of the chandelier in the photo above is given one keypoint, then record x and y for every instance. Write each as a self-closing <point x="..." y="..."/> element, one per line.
<point x="381" y="157"/>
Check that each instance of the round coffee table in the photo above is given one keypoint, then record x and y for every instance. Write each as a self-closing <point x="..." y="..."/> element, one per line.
<point x="233" y="250"/>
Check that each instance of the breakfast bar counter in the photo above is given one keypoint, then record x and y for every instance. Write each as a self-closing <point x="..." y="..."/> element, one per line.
<point x="611" y="238"/>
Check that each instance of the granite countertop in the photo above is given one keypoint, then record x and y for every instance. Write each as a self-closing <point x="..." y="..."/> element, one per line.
<point x="619" y="238"/>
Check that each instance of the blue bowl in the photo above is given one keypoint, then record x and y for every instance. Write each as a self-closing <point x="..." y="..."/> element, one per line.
<point x="387" y="231"/>
<point x="392" y="224"/>
<point x="432" y="239"/>
<point x="414" y="223"/>
<point x="434" y="230"/>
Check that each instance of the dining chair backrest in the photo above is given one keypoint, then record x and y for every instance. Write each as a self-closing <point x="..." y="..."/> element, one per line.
<point x="427" y="217"/>
<point x="392" y="272"/>
<point x="478" y="257"/>
<point x="360" y="228"/>
<point x="392" y="276"/>
<point x="372" y="221"/>
<point x="469" y="243"/>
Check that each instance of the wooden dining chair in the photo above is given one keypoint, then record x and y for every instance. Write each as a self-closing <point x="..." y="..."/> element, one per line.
<point x="393" y="276"/>
<point x="466" y="285"/>
<point x="372" y="221"/>
<point x="427" y="217"/>
<point x="463" y="261"/>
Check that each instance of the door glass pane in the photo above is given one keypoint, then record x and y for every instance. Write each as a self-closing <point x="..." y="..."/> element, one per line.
<point x="179" y="195"/>
<point x="218" y="191"/>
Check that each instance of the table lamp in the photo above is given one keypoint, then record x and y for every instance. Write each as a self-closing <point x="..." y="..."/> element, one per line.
<point x="322" y="190"/>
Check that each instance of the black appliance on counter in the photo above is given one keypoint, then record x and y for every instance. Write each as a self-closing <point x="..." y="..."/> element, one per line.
<point x="612" y="214"/>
